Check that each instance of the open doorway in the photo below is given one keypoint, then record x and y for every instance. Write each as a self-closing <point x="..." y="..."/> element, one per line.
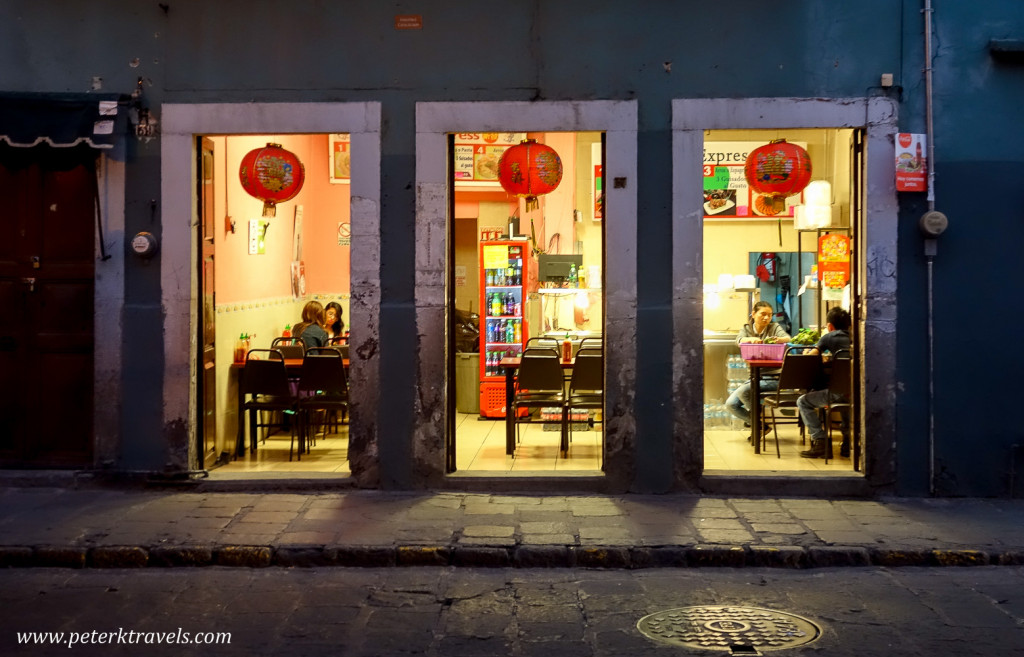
<point x="260" y="275"/>
<point x="778" y="258"/>
<point x="525" y="276"/>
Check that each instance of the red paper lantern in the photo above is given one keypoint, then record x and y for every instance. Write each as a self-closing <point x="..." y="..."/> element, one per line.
<point x="777" y="170"/>
<point x="529" y="170"/>
<point x="271" y="174"/>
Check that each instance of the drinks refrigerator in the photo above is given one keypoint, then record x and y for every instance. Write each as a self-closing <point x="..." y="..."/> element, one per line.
<point x="503" y="276"/>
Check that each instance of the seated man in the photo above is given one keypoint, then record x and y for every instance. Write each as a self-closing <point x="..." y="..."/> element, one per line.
<point x="838" y="337"/>
<point x="760" y="328"/>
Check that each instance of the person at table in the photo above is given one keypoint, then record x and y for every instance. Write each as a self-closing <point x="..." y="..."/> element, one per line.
<point x="335" y="325"/>
<point x="311" y="329"/>
<point x="837" y="337"/>
<point x="760" y="329"/>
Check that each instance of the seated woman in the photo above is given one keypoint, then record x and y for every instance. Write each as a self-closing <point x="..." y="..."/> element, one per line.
<point x="760" y="329"/>
<point x="335" y="325"/>
<point x="311" y="329"/>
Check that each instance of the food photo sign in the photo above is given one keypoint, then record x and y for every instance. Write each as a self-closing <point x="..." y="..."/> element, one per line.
<point x="477" y="155"/>
<point x="340" y="145"/>
<point x="727" y="194"/>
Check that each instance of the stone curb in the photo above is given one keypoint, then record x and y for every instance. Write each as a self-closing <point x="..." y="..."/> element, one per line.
<point x="499" y="556"/>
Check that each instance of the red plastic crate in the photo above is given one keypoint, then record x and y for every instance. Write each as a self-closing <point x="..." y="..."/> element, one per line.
<point x="492" y="399"/>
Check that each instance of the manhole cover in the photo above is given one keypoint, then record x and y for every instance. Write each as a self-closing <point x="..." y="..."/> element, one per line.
<point x="737" y="630"/>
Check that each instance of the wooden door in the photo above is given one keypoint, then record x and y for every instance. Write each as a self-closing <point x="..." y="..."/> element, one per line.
<point x="207" y="429"/>
<point x="46" y="290"/>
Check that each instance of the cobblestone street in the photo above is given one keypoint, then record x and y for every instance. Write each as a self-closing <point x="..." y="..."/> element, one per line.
<point x="529" y="612"/>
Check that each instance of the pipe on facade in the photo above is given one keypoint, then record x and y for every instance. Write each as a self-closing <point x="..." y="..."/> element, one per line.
<point x="930" y="244"/>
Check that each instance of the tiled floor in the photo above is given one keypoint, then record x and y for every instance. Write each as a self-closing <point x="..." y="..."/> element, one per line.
<point x="728" y="450"/>
<point x="330" y="454"/>
<point x="480" y="447"/>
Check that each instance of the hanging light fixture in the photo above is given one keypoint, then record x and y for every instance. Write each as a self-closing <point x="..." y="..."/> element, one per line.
<point x="272" y="175"/>
<point x="777" y="170"/>
<point x="816" y="211"/>
<point x="528" y="170"/>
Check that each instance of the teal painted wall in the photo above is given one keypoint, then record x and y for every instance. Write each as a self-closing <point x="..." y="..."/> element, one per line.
<point x="651" y="51"/>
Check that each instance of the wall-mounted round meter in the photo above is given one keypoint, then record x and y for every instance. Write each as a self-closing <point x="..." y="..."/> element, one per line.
<point x="144" y="244"/>
<point x="933" y="223"/>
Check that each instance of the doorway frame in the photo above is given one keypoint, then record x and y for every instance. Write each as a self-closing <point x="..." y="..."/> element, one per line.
<point x="878" y="117"/>
<point x="179" y="248"/>
<point x="618" y="119"/>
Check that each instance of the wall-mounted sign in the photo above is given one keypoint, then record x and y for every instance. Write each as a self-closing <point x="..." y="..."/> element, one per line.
<point x="408" y="22"/>
<point x="344" y="233"/>
<point x="477" y="155"/>
<point x="834" y="260"/>
<point x="598" y="189"/>
<point x="298" y="272"/>
<point x="727" y="194"/>
<point x="911" y="162"/>
<point x="258" y="236"/>
<point x="339" y="147"/>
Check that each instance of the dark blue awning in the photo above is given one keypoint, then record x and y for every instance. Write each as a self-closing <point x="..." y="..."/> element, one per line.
<point x="63" y="120"/>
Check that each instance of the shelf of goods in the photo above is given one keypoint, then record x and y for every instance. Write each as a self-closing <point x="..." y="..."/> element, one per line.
<point x="503" y="277"/>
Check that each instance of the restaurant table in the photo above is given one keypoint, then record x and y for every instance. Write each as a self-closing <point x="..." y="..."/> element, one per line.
<point x="510" y="364"/>
<point x="292" y="365"/>
<point x="755" y="397"/>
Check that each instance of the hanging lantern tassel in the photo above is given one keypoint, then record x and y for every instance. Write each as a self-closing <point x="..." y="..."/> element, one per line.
<point x="529" y="170"/>
<point x="272" y="175"/>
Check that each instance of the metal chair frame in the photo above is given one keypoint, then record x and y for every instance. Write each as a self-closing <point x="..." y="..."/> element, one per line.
<point x="265" y="380"/>
<point x="840" y="384"/>
<point x="323" y="386"/>
<point x="798" y="375"/>
<point x="586" y="386"/>
<point x="539" y="383"/>
<point x="289" y="347"/>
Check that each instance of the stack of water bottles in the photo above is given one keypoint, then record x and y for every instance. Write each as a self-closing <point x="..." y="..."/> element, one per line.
<point x="738" y="374"/>
<point x="715" y="416"/>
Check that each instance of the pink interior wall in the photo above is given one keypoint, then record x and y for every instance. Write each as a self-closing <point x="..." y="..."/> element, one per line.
<point x="244" y="277"/>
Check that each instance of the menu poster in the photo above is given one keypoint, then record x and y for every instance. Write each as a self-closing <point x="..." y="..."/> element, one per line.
<point x="341" y="158"/>
<point x="477" y="155"/>
<point x="726" y="191"/>
<point x="834" y="260"/>
<point x="598" y="189"/>
<point x="911" y="162"/>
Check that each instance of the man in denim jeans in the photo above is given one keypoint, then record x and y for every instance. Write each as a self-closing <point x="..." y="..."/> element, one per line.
<point x="837" y="338"/>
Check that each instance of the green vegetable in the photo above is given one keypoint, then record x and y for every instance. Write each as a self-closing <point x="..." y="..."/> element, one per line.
<point x="806" y="336"/>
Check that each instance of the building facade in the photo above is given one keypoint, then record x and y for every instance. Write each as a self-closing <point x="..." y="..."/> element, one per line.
<point x="656" y="81"/>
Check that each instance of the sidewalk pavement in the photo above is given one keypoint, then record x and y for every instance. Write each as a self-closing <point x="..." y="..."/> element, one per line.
<point x="119" y="527"/>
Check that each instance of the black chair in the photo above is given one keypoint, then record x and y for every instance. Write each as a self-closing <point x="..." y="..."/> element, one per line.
<point x="800" y="373"/>
<point x="840" y="387"/>
<point x="544" y="343"/>
<point x="265" y="381"/>
<point x="341" y="343"/>
<point x="289" y="347"/>
<point x="323" y="386"/>
<point x="586" y="387"/>
<point x="540" y="383"/>
<point x="592" y="343"/>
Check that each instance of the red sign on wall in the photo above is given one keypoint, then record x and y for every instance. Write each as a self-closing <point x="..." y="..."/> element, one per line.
<point x="911" y="162"/>
<point x="834" y="260"/>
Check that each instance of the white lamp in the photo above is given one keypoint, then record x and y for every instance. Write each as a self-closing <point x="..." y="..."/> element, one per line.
<point x="816" y="212"/>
